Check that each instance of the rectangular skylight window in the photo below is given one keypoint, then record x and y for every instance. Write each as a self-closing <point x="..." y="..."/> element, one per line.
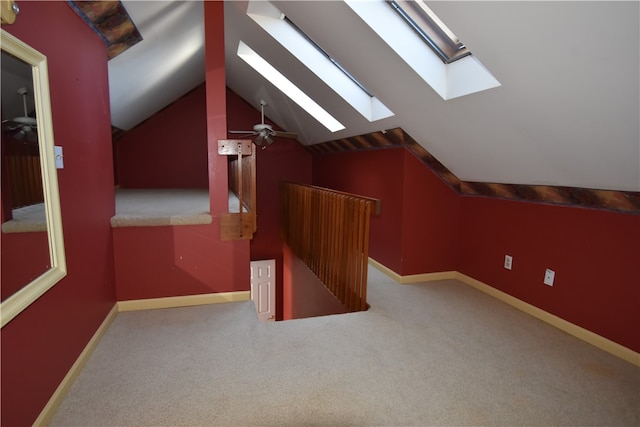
<point x="326" y="54"/>
<point x="463" y="76"/>
<point x="431" y="29"/>
<point x="316" y="59"/>
<point x="288" y="88"/>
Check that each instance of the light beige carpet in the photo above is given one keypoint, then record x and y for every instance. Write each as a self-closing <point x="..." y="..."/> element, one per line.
<point x="161" y="206"/>
<point x="439" y="353"/>
<point x="27" y="219"/>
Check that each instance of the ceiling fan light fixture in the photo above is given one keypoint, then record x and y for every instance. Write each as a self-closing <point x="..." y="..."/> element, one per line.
<point x="24" y="125"/>
<point x="264" y="132"/>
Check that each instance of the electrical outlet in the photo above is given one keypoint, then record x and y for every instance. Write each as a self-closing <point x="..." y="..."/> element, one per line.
<point x="508" y="262"/>
<point x="549" y="276"/>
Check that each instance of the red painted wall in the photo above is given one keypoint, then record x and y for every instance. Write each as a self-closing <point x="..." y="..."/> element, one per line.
<point x="417" y="229"/>
<point x="168" y="150"/>
<point x="304" y="294"/>
<point x="595" y="255"/>
<point x="284" y="160"/>
<point x="431" y="228"/>
<point x="28" y="256"/>
<point x="40" y="345"/>
<point x="430" y="218"/>
<point x="216" y="106"/>
<point x="374" y="173"/>
<point x="154" y="262"/>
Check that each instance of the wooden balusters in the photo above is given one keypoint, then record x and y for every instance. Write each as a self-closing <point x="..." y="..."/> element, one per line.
<point x="22" y="162"/>
<point x="329" y="231"/>
<point x="242" y="181"/>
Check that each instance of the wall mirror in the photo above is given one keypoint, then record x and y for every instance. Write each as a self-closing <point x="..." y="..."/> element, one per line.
<point x="33" y="257"/>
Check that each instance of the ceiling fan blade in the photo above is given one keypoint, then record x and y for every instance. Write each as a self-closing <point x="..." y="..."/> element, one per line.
<point x="19" y="122"/>
<point x="28" y="121"/>
<point x="280" y="134"/>
<point x="9" y="127"/>
<point x="247" y="132"/>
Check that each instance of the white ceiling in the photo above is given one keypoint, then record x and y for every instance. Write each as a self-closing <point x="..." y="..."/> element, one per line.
<point x="165" y="65"/>
<point x="567" y="112"/>
<point x="16" y="74"/>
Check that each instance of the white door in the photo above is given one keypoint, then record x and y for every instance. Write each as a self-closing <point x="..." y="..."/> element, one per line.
<point x="263" y="289"/>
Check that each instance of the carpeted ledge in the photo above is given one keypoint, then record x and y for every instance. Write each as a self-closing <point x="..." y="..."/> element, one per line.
<point x="161" y="207"/>
<point x="154" y="221"/>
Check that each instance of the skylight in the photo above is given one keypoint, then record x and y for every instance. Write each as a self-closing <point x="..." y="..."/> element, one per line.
<point x="458" y="77"/>
<point x="316" y="59"/>
<point x="288" y="88"/>
<point x="326" y="55"/>
<point x="431" y="29"/>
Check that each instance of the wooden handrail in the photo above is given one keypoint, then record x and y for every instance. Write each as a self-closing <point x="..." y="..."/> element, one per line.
<point x="242" y="181"/>
<point x="22" y="162"/>
<point x="329" y="231"/>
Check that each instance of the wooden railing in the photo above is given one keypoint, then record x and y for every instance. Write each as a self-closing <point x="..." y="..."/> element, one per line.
<point x="329" y="231"/>
<point x="21" y="169"/>
<point x="242" y="181"/>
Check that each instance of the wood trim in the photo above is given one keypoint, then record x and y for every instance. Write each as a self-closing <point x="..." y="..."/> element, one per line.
<point x="17" y="302"/>
<point x="242" y="181"/>
<point x="49" y="410"/>
<point x="376" y="203"/>
<point x="611" y="200"/>
<point x="329" y="231"/>
<point x="58" y="396"/>
<point x="577" y="331"/>
<point x="183" y="301"/>
<point x="413" y="278"/>
<point x="111" y="22"/>
<point x="237" y="225"/>
<point x="564" y="325"/>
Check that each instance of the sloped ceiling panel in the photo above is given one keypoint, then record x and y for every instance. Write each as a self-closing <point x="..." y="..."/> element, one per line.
<point x="566" y="113"/>
<point x="620" y="201"/>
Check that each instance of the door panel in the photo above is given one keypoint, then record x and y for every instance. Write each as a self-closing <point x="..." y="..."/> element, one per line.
<point x="263" y="289"/>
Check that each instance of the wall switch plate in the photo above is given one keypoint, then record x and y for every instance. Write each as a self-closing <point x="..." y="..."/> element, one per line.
<point x="549" y="276"/>
<point x="508" y="262"/>
<point x="57" y="152"/>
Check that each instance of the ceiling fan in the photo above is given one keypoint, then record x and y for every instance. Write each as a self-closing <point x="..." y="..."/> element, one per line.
<point x="265" y="133"/>
<point x="24" y="127"/>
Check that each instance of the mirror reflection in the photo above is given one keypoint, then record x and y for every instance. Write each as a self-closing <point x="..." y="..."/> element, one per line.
<point x="25" y="245"/>
<point x="32" y="245"/>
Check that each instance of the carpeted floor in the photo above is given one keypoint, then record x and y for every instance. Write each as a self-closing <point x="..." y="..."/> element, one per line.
<point x="438" y="353"/>
<point x="26" y="219"/>
<point x="139" y="207"/>
<point x="161" y="206"/>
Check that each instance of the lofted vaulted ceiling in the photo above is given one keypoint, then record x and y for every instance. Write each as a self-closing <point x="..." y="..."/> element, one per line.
<point x="566" y="113"/>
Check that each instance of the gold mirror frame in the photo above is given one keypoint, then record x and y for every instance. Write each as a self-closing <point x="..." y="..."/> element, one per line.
<point x="17" y="302"/>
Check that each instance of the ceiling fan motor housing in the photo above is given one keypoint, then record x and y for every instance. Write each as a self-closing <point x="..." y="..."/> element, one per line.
<point x="261" y="127"/>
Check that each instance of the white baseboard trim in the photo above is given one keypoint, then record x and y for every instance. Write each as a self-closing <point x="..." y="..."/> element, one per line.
<point x="52" y="405"/>
<point x="572" y="329"/>
<point x="183" y="301"/>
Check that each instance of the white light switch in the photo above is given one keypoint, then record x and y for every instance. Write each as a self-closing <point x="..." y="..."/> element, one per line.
<point x="549" y="275"/>
<point x="57" y="151"/>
